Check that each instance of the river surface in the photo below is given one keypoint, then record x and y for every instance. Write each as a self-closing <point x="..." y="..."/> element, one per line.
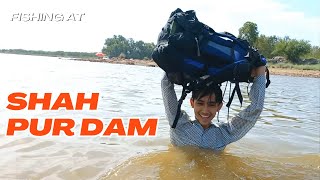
<point x="284" y="143"/>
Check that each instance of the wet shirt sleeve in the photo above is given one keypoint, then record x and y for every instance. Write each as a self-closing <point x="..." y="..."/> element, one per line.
<point x="170" y="102"/>
<point x="246" y="119"/>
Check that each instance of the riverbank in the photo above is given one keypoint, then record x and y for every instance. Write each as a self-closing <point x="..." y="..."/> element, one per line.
<point x="294" y="72"/>
<point x="151" y="63"/>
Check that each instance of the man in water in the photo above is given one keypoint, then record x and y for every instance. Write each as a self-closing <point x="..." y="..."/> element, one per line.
<point x="206" y="103"/>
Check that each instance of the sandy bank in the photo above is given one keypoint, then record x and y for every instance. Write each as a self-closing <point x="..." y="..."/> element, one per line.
<point x="151" y="63"/>
<point x="295" y="72"/>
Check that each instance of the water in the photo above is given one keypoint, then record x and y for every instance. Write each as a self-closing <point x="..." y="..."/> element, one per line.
<point x="284" y="144"/>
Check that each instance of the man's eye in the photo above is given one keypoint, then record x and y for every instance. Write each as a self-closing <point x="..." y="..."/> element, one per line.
<point x="200" y="103"/>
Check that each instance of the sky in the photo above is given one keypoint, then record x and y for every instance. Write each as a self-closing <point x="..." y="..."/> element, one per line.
<point x="83" y="26"/>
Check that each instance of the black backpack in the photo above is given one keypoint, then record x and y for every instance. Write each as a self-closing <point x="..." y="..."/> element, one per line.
<point x="193" y="54"/>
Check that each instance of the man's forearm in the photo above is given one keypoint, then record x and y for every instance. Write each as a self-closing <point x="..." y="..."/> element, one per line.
<point x="169" y="99"/>
<point x="256" y="95"/>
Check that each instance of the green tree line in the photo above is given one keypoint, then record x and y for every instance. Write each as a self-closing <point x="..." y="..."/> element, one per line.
<point x="49" y="53"/>
<point x="271" y="46"/>
<point x="127" y="48"/>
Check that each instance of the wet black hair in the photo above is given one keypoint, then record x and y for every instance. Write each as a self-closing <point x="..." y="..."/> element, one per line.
<point x="208" y="90"/>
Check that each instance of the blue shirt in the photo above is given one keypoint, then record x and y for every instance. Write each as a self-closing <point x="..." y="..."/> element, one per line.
<point x="216" y="137"/>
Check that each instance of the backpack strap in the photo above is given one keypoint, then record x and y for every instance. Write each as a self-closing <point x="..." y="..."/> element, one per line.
<point x="183" y="96"/>
<point x="235" y="89"/>
<point x="268" y="77"/>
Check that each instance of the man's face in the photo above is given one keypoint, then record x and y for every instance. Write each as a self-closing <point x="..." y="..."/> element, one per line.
<point x="205" y="109"/>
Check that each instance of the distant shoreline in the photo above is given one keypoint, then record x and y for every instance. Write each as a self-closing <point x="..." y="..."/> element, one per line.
<point x="294" y="72"/>
<point x="151" y="63"/>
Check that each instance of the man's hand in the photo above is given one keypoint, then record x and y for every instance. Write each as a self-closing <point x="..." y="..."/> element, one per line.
<point x="258" y="71"/>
